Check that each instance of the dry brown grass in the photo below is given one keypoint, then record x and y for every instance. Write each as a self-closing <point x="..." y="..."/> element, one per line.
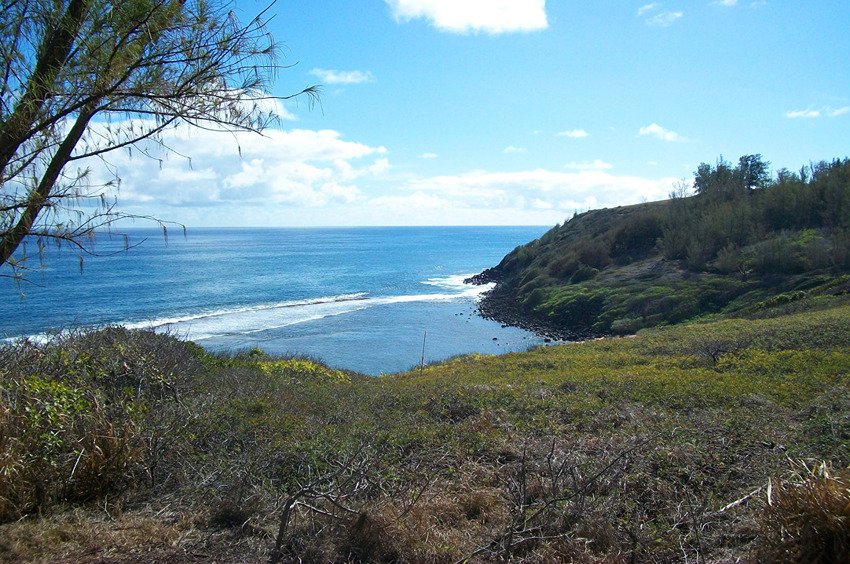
<point x="150" y="534"/>
<point x="807" y="517"/>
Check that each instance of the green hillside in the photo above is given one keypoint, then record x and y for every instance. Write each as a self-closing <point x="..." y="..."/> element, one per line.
<point x="741" y="243"/>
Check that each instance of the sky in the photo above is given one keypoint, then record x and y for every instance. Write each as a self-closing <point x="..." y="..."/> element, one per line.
<point x="509" y="112"/>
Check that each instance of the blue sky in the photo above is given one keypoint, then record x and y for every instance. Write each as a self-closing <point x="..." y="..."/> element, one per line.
<point x="491" y="112"/>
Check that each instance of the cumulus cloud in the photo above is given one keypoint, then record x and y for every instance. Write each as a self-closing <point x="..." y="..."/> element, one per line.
<point x="330" y="76"/>
<point x="487" y="16"/>
<point x="281" y="167"/>
<point x="318" y="177"/>
<point x="652" y="16"/>
<point x="731" y="3"/>
<point x="802" y="114"/>
<point x="428" y="156"/>
<point x="573" y="133"/>
<point x="511" y="150"/>
<point x="532" y="189"/>
<point x="659" y="132"/>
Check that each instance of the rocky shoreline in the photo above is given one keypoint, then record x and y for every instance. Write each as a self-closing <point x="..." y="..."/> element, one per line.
<point x="499" y="304"/>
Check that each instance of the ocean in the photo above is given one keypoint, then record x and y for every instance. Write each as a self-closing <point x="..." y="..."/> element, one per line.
<point x="362" y="299"/>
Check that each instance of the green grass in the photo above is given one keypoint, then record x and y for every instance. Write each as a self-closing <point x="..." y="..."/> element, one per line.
<point x="602" y="450"/>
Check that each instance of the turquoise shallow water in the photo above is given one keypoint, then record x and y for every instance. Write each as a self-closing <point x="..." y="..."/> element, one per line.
<point x="357" y="298"/>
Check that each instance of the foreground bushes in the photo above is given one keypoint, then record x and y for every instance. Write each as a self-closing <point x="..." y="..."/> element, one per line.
<point x="658" y="447"/>
<point x="84" y="415"/>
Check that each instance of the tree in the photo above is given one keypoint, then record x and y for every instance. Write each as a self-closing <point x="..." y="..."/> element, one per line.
<point x="713" y="179"/>
<point x="81" y="78"/>
<point x="751" y="172"/>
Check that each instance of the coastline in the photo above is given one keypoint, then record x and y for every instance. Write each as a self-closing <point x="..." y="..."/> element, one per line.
<point x="499" y="304"/>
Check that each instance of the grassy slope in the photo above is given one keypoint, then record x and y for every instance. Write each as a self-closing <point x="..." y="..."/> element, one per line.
<point x="614" y="448"/>
<point x="615" y="271"/>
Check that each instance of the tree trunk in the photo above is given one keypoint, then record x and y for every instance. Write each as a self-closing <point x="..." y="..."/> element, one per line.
<point x="40" y="195"/>
<point x="51" y="56"/>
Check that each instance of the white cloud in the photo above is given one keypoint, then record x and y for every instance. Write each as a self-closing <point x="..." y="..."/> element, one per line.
<point x="488" y="16"/>
<point x="301" y="168"/>
<point x="429" y="156"/>
<point x="528" y="189"/>
<point x="815" y="113"/>
<point x="180" y="175"/>
<point x="573" y="133"/>
<point x="727" y="2"/>
<point x="380" y="166"/>
<point x="595" y="165"/>
<point x="511" y="150"/>
<point x="802" y="114"/>
<point x="330" y="76"/>
<point x="257" y="102"/>
<point x="664" y="19"/>
<point x="660" y="19"/>
<point x="659" y="132"/>
<point x="250" y="174"/>
<point x="307" y="177"/>
<point x="647" y="8"/>
<point x="418" y="201"/>
<point x="276" y="108"/>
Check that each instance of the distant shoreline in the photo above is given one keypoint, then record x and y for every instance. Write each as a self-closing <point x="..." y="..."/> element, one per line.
<point x="499" y="304"/>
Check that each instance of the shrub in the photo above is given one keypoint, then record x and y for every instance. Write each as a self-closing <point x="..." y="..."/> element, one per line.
<point x="535" y="298"/>
<point x="85" y="415"/>
<point x="626" y="326"/>
<point x="564" y="266"/>
<point x="728" y="260"/>
<point x="579" y="310"/>
<point x="593" y="253"/>
<point x="777" y="256"/>
<point x="807" y="519"/>
<point x="582" y="274"/>
<point x="637" y="235"/>
<point x="841" y="250"/>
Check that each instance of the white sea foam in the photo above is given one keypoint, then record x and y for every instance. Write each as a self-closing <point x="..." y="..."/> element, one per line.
<point x="255" y="319"/>
<point x="456" y="282"/>
<point x="40" y="338"/>
<point x="262" y="317"/>
<point x="295" y="304"/>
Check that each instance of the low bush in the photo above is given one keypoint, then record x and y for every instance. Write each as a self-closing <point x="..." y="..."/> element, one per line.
<point x="637" y="236"/>
<point x="807" y="518"/>
<point x="83" y="415"/>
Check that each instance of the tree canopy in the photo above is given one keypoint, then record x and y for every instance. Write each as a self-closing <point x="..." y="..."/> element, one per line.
<point x="81" y="78"/>
<point x="751" y="172"/>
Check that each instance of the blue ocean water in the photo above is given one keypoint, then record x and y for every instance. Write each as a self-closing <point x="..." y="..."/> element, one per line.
<point x="362" y="299"/>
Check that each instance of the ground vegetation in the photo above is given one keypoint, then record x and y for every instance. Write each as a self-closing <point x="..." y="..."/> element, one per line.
<point x="712" y="440"/>
<point x="740" y="240"/>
